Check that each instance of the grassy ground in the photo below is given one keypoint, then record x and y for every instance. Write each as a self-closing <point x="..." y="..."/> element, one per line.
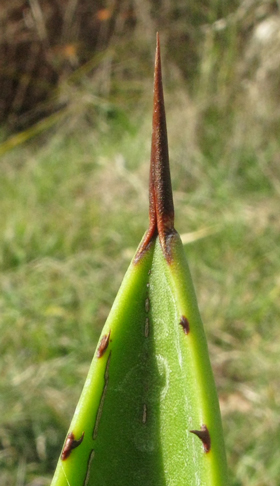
<point x="73" y="207"/>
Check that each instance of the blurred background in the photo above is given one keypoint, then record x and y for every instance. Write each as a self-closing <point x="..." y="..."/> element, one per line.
<point x="75" y="125"/>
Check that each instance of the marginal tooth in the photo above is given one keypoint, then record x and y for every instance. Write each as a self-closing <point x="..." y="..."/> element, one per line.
<point x="70" y="444"/>
<point x="103" y="345"/>
<point x="204" y="436"/>
<point x="185" y="324"/>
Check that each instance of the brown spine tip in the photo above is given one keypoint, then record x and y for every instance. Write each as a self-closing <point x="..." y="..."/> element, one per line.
<point x="103" y="345"/>
<point x="204" y="436"/>
<point x="161" y="211"/>
<point x="71" y="444"/>
<point x="185" y="324"/>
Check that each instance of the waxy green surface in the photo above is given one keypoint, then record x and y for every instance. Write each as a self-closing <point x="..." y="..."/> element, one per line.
<point x="150" y="388"/>
<point x="152" y="385"/>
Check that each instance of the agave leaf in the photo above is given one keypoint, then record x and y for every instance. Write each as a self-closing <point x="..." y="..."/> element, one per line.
<point x="149" y="412"/>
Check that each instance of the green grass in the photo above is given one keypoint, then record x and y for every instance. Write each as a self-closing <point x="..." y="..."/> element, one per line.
<point x="73" y="207"/>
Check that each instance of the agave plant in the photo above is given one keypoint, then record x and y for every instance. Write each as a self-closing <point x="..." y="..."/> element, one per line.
<point x="149" y="413"/>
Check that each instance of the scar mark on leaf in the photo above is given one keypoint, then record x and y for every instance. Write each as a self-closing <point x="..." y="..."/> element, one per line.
<point x="147" y="327"/>
<point x="91" y="456"/>
<point x="147" y="304"/>
<point x="71" y="444"/>
<point x="103" y="345"/>
<point x="101" y="404"/>
<point x="144" y="417"/>
<point x="185" y="324"/>
<point x="204" y="436"/>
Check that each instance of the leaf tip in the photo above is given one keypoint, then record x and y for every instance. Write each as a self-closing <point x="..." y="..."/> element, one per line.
<point x="161" y="208"/>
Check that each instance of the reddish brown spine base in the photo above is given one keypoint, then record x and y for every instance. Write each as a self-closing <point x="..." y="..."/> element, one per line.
<point x="71" y="444"/>
<point x="185" y="324"/>
<point x="204" y="436"/>
<point x="103" y="345"/>
<point x="161" y="209"/>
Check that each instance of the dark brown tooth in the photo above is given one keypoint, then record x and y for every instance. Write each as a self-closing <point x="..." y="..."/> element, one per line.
<point x="204" y="436"/>
<point x="71" y="444"/>
<point x="103" y="345"/>
<point x="185" y="324"/>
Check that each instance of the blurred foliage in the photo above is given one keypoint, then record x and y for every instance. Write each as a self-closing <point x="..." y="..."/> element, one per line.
<point x="45" y="43"/>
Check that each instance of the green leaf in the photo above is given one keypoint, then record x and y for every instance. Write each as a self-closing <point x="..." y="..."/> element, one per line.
<point x="149" y="412"/>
